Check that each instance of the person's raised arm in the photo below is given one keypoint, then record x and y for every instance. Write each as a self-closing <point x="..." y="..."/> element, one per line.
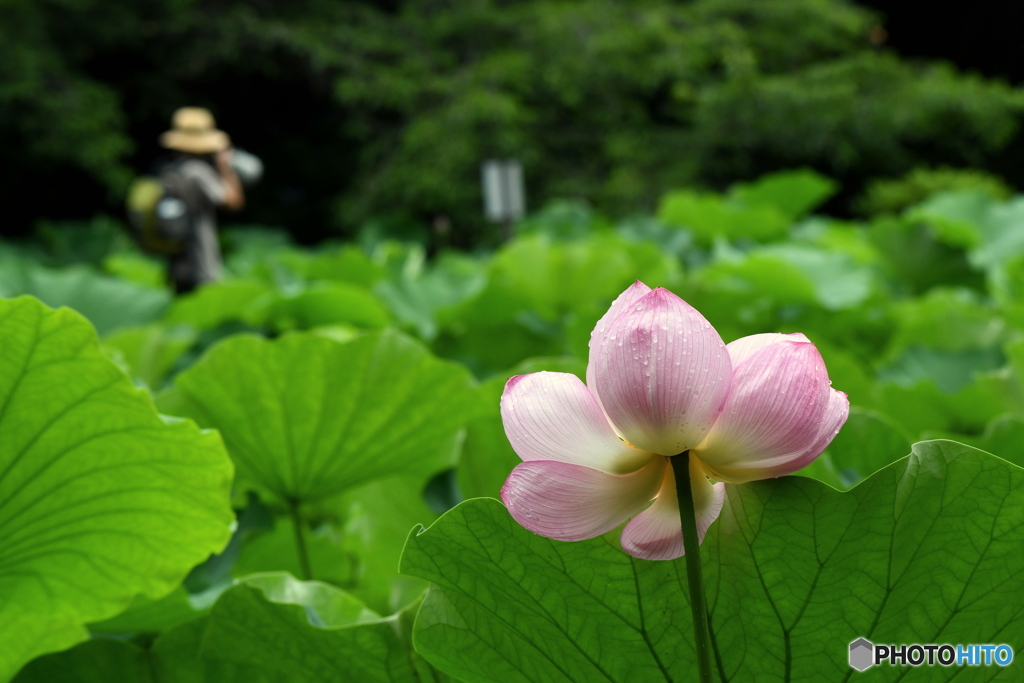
<point x="234" y="197"/>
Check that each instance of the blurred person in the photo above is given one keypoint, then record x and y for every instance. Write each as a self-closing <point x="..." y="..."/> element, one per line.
<point x="203" y="175"/>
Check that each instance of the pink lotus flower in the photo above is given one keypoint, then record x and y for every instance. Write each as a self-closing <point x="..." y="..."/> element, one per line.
<point x="661" y="382"/>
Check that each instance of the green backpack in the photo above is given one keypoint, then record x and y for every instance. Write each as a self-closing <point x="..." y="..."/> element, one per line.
<point x="158" y="212"/>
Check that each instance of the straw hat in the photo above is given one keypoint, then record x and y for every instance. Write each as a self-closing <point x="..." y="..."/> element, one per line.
<point x="193" y="131"/>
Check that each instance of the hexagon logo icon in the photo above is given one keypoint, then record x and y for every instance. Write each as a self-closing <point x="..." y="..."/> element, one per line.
<point x="862" y="654"/>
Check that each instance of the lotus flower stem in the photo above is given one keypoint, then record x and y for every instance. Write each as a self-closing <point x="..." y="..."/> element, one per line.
<point x="300" y="541"/>
<point x="694" y="574"/>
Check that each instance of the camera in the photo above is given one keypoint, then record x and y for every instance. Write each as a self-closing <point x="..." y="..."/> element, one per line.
<point x="248" y="166"/>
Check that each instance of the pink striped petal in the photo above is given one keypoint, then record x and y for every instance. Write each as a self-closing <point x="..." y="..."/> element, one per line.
<point x="776" y="409"/>
<point x="623" y="302"/>
<point x="660" y="371"/>
<point x="835" y="417"/>
<point x="744" y="347"/>
<point x="554" y="416"/>
<point x="656" y="533"/>
<point x="570" y="502"/>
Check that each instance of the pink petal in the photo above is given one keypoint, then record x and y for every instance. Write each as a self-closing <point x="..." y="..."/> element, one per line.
<point x="776" y="409"/>
<point x="660" y="371"/>
<point x="744" y="347"/>
<point x="570" y="502"/>
<point x="554" y="416"/>
<point x="835" y="417"/>
<point x="656" y="533"/>
<point x="624" y="301"/>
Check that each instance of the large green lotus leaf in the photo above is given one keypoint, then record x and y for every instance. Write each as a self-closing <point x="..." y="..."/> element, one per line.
<point x="950" y="371"/>
<point x="1006" y="286"/>
<point x="710" y="217"/>
<point x="150" y="351"/>
<point x="305" y="631"/>
<point x="563" y="219"/>
<point x="109" y="303"/>
<point x="137" y="267"/>
<point x="792" y="274"/>
<point x="916" y="259"/>
<point x="101" y="660"/>
<point x="419" y="297"/>
<point x="916" y="409"/>
<point x="275" y="550"/>
<point x="489" y="348"/>
<point x="355" y="543"/>
<point x="345" y="264"/>
<point x="547" y="278"/>
<point x="487" y="458"/>
<point x="252" y="248"/>
<point x="1003" y="240"/>
<point x="839" y="236"/>
<point x="174" y="657"/>
<point x="337" y="303"/>
<point x="100" y="498"/>
<point x="669" y="239"/>
<point x="793" y="193"/>
<point x="956" y="217"/>
<point x="376" y="519"/>
<point x="216" y="303"/>
<point x="268" y="629"/>
<point x="944" y="319"/>
<point x="305" y="417"/>
<point x="838" y="281"/>
<point x="927" y="550"/>
<point x="924" y="407"/>
<point x="860" y="332"/>
<point x="990" y="229"/>
<point x="146" y="615"/>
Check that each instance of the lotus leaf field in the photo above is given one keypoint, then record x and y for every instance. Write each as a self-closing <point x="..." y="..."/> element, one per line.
<point x="293" y="474"/>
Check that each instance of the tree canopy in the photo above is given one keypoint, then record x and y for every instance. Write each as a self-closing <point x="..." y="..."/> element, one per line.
<point x="387" y="109"/>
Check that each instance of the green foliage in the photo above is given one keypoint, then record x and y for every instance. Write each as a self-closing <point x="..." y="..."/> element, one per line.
<point x="150" y="351"/>
<point x="709" y="217"/>
<point x="346" y="433"/>
<point x="109" y="303"/>
<point x="794" y="193"/>
<point x="794" y="572"/>
<point x="269" y="628"/>
<point x="335" y="304"/>
<point x="795" y="274"/>
<point x="284" y="630"/>
<point x="320" y="417"/>
<point x="688" y="93"/>
<point x="854" y="113"/>
<point x="101" y="498"/>
<point x="216" y="303"/>
<point x="893" y="195"/>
